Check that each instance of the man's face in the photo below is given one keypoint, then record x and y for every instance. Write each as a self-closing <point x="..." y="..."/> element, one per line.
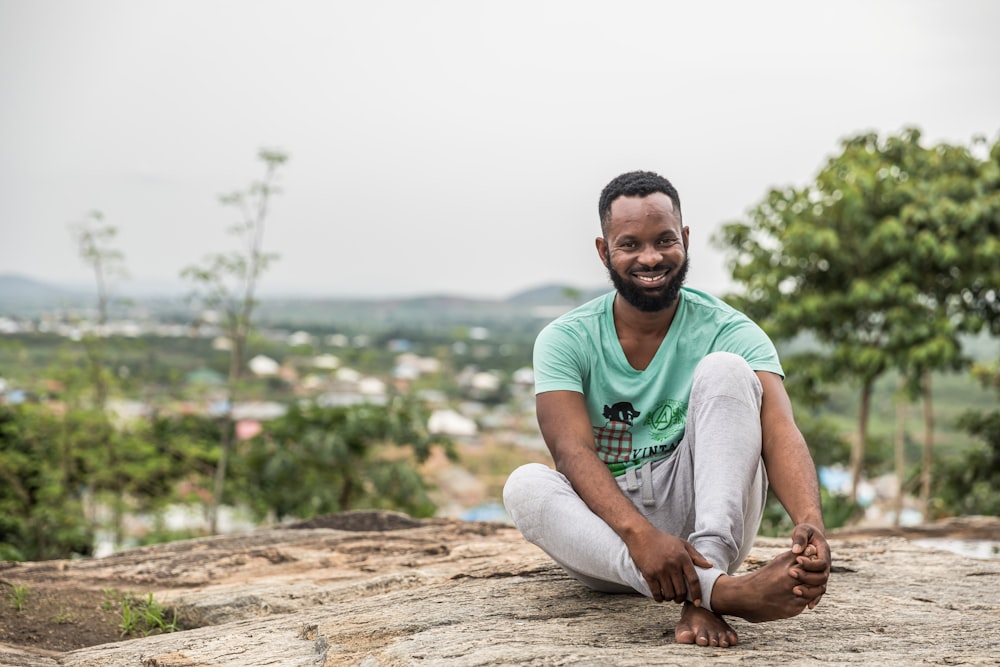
<point x="645" y="251"/>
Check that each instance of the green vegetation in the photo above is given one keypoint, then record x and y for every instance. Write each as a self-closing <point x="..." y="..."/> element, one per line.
<point x="226" y="283"/>
<point x="55" y="465"/>
<point x="888" y="258"/>
<point x="63" y="617"/>
<point x="969" y="485"/>
<point x="18" y="595"/>
<point x="93" y="238"/>
<point x="140" y="617"/>
<point x="317" y="460"/>
<point x="41" y="514"/>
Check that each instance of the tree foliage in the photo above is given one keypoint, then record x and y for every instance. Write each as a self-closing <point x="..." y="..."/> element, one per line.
<point x="886" y="258"/>
<point x="41" y="471"/>
<point x="970" y="486"/>
<point x="56" y="467"/>
<point x="316" y="460"/>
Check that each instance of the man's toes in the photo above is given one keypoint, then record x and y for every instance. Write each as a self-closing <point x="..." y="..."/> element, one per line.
<point x="684" y="635"/>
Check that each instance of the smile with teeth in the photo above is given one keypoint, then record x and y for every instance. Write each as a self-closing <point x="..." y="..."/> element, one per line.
<point x="650" y="279"/>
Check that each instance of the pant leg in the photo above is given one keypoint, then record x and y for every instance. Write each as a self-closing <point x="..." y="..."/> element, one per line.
<point x="549" y="513"/>
<point x="724" y="434"/>
<point x="717" y="478"/>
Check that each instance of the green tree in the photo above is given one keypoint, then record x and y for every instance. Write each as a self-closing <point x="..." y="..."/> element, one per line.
<point x="952" y="223"/>
<point x="970" y="486"/>
<point x="189" y="442"/>
<point x="227" y="282"/>
<point x="42" y="478"/>
<point x="316" y="460"/>
<point x="879" y="258"/>
<point x="93" y="238"/>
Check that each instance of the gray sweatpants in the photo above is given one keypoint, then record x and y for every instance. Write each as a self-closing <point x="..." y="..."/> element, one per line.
<point x="710" y="491"/>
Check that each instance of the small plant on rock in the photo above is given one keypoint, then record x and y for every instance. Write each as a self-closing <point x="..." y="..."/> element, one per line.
<point x="140" y="616"/>
<point x="18" y="594"/>
<point x="64" y="616"/>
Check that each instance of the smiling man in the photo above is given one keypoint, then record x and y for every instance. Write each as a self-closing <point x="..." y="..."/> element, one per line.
<point x="666" y="416"/>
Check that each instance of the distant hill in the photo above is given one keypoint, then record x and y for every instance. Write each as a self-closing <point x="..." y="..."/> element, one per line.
<point x="551" y="295"/>
<point x="21" y="296"/>
<point x="530" y="308"/>
<point x="18" y="288"/>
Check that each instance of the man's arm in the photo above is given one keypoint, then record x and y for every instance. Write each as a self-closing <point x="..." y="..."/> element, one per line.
<point x="792" y="475"/>
<point x="666" y="562"/>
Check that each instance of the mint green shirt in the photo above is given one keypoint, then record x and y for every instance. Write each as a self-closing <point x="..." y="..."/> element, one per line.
<point x="639" y="416"/>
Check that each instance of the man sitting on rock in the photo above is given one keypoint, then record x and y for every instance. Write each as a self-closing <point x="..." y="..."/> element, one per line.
<point x="666" y="417"/>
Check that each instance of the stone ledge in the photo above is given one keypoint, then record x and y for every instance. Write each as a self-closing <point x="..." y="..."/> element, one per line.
<point x="453" y="593"/>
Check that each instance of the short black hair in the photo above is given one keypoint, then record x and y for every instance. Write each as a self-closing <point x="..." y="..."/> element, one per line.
<point x="635" y="184"/>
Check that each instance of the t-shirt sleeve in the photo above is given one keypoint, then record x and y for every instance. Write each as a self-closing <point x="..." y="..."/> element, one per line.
<point x="745" y="338"/>
<point x="559" y="360"/>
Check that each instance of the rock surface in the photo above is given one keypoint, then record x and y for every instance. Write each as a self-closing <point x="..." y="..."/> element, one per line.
<point x="380" y="590"/>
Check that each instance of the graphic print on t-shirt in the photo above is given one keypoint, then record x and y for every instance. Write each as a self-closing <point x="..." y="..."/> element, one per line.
<point x="614" y="439"/>
<point x="666" y="421"/>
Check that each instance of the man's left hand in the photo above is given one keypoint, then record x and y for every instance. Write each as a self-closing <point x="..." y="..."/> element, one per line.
<point x="812" y="562"/>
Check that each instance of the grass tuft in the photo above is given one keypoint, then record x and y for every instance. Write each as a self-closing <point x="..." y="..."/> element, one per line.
<point x="18" y="595"/>
<point x="139" y="617"/>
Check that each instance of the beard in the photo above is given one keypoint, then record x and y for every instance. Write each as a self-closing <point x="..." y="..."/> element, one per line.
<point x="646" y="300"/>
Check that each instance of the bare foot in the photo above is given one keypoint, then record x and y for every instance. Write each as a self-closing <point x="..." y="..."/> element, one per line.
<point x="766" y="594"/>
<point x="704" y="628"/>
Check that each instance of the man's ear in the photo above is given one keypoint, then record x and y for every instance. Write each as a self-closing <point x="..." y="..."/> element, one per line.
<point x="685" y="232"/>
<point x="602" y="249"/>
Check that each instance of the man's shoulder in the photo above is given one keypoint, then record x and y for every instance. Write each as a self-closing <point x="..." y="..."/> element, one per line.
<point x="592" y="310"/>
<point x="577" y="328"/>
<point x="709" y="305"/>
<point x="725" y="328"/>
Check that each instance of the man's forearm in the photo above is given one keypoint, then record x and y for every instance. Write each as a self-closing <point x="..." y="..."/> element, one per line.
<point x="792" y="475"/>
<point x="595" y="484"/>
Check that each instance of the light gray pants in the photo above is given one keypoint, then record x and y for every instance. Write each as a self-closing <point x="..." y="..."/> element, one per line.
<point x="710" y="491"/>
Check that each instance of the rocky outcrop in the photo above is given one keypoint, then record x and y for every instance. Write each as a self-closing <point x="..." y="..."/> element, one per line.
<point x="380" y="590"/>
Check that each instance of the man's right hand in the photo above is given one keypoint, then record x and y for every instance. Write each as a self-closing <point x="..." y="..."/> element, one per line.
<point x="667" y="563"/>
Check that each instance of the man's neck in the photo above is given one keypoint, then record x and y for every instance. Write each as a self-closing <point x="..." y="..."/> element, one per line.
<point x="640" y="333"/>
<point x="631" y="320"/>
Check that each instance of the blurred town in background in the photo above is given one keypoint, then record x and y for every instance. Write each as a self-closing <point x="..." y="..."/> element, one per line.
<point x="467" y="362"/>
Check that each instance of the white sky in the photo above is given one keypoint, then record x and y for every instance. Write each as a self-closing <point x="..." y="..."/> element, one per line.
<point x="448" y="147"/>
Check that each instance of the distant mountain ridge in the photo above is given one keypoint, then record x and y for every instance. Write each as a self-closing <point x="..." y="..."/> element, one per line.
<point x="15" y="287"/>
<point x="28" y="297"/>
<point x="18" y="287"/>
<point x="555" y="294"/>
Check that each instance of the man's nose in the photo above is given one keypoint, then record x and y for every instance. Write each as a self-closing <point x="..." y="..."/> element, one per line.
<point x="650" y="255"/>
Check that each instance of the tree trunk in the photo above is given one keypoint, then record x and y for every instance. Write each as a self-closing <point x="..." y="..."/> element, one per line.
<point x="225" y="444"/>
<point x="93" y="349"/>
<point x="926" y="472"/>
<point x="861" y="441"/>
<point x="899" y="446"/>
<point x="237" y="351"/>
<point x="237" y="342"/>
<point x="346" y="492"/>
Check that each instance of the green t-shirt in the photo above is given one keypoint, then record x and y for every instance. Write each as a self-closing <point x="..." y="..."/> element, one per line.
<point x="640" y="415"/>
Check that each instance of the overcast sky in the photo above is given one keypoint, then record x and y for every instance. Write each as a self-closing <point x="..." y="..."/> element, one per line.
<point x="448" y="147"/>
